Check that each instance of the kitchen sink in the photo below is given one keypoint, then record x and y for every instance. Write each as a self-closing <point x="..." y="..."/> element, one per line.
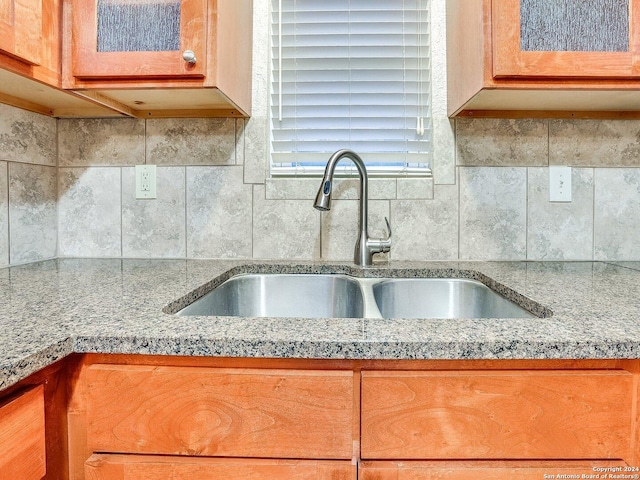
<point x="286" y="295"/>
<point x="442" y="298"/>
<point x="344" y="296"/>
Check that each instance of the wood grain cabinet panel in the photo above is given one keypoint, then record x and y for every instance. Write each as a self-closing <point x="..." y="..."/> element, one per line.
<point x="134" y="467"/>
<point x="511" y="60"/>
<point x="455" y="471"/>
<point x="21" y="29"/>
<point x="497" y="415"/>
<point x="22" y="436"/>
<point x="113" y="61"/>
<point x="522" y="58"/>
<point x="130" y="56"/>
<point x="220" y="412"/>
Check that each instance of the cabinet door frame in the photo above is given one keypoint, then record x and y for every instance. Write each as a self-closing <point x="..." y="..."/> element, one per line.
<point x="88" y="63"/>
<point x="21" y="34"/>
<point x="510" y="61"/>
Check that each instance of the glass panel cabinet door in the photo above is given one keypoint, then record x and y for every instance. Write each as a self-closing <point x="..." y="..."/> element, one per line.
<point x="139" y="38"/>
<point x="565" y="38"/>
<point x="21" y="29"/>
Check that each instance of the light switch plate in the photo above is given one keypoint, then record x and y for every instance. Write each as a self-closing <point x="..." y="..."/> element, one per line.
<point x="145" y="181"/>
<point x="559" y="184"/>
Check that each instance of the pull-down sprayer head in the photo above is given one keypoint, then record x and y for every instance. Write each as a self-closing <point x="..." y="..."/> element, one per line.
<point x="323" y="198"/>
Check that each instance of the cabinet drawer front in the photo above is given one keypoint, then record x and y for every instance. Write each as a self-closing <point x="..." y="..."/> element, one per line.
<point x="497" y="415"/>
<point x="220" y="412"/>
<point x="462" y="471"/>
<point x="22" y="437"/>
<point x="135" y="467"/>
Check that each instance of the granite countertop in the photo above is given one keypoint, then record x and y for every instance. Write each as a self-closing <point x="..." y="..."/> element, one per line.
<point x="52" y="309"/>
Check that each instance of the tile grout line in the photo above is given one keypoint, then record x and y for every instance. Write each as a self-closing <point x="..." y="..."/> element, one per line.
<point x="186" y="213"/>
<point x="57" y="189"/>
<point x="593" y="217"/>
<point x="8" y="215"/>
<point x="121" y="222"/>
<point x="526" y="214"/>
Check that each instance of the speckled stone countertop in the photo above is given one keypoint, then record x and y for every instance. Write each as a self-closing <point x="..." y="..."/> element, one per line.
<point x="52" y="309"/>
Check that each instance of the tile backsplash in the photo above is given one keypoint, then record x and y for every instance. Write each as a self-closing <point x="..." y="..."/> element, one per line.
<point x="67" y="187"/>
<point x="28" y="191"/>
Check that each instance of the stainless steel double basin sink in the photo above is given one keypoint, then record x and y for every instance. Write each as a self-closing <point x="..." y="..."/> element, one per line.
<point x="343" y="296"/>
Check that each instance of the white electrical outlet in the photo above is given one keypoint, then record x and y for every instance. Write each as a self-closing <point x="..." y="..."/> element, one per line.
<point x="559" y="184"/>
<point x="145" y="181"/>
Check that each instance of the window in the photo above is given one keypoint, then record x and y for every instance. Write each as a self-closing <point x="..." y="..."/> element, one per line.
<point x="350" y="74"/>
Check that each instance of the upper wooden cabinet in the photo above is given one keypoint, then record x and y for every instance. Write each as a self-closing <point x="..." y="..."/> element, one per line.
<point x="21" y="29"/>
<point x="526" y="55"/>
<point x="151" y="58"/>
<point x="31" y="58"/>
<point x="139" y="38"/>
<point x="570" y="38"/>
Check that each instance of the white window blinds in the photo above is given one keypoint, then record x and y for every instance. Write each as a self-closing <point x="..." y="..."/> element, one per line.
<point x="350" y="74"/>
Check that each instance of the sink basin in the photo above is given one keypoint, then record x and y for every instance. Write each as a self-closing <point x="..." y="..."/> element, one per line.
<point x="442" y="298"/>
<point x="286" y="295"/>
<point x="344" y="296"/>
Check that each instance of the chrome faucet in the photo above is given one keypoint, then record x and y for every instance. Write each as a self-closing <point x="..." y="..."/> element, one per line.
<point x="365" y="246"/>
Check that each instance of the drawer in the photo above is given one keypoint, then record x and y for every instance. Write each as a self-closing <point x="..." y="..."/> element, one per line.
<point x="478" y="471"/>
<point x="220" y="412"/>
<point x="136" y="467"/>
<point x="22" y="436"/>
<point x="533" y="414"/>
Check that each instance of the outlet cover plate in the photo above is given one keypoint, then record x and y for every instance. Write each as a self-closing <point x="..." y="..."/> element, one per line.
<point x="146" y="181"/>
<point x="559" y="184"/>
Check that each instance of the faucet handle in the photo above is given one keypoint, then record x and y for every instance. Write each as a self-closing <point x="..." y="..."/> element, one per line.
<point x="384" y="244"/>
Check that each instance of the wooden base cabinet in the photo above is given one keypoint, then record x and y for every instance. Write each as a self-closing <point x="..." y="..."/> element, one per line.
<point x="134" y="467"/>
<point x="142" y="417"/>
<point x="211" y="412"/>
<point x="22" y="436"/>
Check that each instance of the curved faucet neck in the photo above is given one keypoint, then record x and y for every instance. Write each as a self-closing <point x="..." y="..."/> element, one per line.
<point x="364" y="187"/>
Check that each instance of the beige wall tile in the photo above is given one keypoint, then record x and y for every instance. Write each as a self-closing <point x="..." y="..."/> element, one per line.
<point x="4" y="215"/>
<point x="284" y="229"/>
<point x="617" y="214"/>
<point x="415" y="188"/>
<point x="502" y="142"/>
<point x="284" y="188"/>
<point x="493" y="213"/>
<point x="349" y="188"/>
<point x="291" y="188"/>
<point x="426" y="229"/>
<point x="218" y="213"/>
<point x="340" y="227"/>
<point x="261" y="58"/>
<point x="239" y="151"/>
<point x="256" y="150"/>
<point x="154" y="228"/>
<point x="559" y="230"/>
<point x="27" y="137"/>
<point x="443" y="162"/>
<point x="100" y="141"/>
<point x="89" y="212"/>
<point x="32" y="212"/>
<point x="438" y="57"/>
<point x="191" y="141"/>
<point x="594" y="143"/>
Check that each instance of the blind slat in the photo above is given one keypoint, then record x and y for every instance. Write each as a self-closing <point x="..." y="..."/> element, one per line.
<point x="350" y="74"/>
